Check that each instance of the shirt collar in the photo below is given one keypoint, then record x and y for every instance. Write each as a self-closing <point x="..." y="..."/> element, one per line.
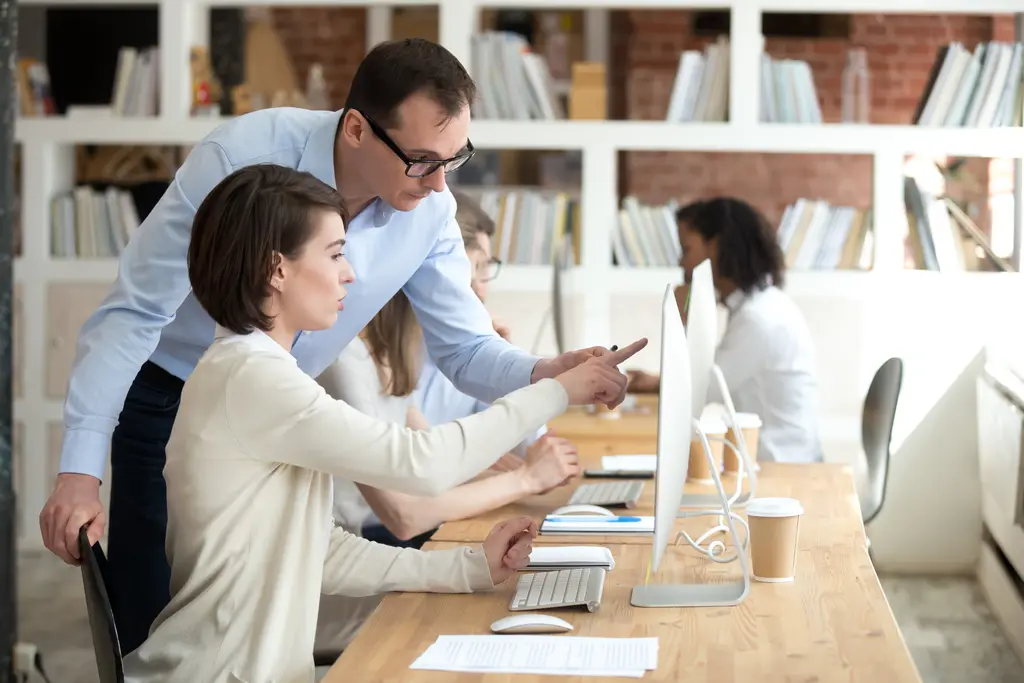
<point x="318" y="155"/>
<point x="318" y="158"/>
<point x="735" y="300"/>
<point x="257" y="339"/>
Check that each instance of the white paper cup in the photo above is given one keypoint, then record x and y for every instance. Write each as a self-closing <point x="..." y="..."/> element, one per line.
<point x="774" y="538"/>
<point x="699" y="472"/>
<point x="750" y="428"/>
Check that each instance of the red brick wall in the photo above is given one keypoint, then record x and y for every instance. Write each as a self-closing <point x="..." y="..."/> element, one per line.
<point x="645" y="52"/>
<point x="901" y="50"/>
<point x="333" y="36"/>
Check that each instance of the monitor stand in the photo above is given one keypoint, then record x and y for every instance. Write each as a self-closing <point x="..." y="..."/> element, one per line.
<point x="747" y="469"/>
<point x="704" y="594"/>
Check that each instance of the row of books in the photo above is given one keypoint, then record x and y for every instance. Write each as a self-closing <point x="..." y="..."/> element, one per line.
<point x="815" y="235"/>
<point x="788" y="94"/>
<point x="701" y="88"/>
<point x="88" y="223"/>
<point x="980" y="89"/>
<point x="515" y="82"/>
<point x="646" y="235"/>
<point x="530" y="223"/>
<point x="934" y="240"/>
<point x="136" y="82"/>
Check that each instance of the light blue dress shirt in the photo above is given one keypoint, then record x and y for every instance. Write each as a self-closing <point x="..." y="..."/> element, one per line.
<point x="440" y="402"/>
<point x="150" y="312"/>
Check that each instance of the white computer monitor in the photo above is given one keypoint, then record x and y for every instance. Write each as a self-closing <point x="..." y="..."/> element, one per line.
<point x="702" y="338"/>
<point x="676" y="427"/>
<point x="702" y="332"/>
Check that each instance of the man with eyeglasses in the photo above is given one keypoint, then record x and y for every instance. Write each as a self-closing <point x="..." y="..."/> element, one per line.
<point x="405" y="125"/>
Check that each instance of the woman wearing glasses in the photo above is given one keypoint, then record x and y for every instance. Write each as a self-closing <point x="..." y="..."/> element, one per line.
<point x="377" y="374"/>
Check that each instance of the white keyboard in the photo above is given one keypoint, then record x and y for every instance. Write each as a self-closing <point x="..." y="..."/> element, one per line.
<point x="614" y="493"/>
<point x="562" y="588"/>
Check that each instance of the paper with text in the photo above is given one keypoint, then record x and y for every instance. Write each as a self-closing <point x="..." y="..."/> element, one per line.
<point x="552" y="655"/>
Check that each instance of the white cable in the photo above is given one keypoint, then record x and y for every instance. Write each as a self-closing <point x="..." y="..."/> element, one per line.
<point x="739" y="473"/>
<point x="716" y="548"/>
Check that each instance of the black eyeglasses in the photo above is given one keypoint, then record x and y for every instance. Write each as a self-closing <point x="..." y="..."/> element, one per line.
<point x="488" y="271"/>
<point x="421" y="168"/>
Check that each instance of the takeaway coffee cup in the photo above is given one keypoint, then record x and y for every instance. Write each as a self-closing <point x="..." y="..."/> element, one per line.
<point x="774" y="538"/>
<point x="699" y="472"/>
<point x="750" y="428"/>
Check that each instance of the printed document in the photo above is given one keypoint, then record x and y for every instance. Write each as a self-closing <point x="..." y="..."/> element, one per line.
<point x="553" y="655"/>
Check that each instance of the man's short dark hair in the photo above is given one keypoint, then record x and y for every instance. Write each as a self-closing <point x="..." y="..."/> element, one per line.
<point x="394" y="70"/>
<point x="242" y="226"/>
<point x="748" y="250"/>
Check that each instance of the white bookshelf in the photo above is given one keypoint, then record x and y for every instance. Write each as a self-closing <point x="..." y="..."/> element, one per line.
<point x="595" y="284"/>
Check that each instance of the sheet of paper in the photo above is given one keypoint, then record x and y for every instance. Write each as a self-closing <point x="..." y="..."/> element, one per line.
<point x="633" y="463"/>
<point x="552" y="655"/>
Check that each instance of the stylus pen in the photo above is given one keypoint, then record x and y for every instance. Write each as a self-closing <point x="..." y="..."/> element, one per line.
<point x="593" y="519"/>
<point x="615" y="347"/>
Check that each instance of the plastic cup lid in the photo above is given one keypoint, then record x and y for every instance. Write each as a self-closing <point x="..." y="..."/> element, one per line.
<point x="712" y="424"/>
<point x="746" y="420"/>
<point x="774" y="507"/>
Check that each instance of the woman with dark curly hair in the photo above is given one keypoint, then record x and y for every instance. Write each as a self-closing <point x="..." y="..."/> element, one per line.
<point x="766" y="353"/>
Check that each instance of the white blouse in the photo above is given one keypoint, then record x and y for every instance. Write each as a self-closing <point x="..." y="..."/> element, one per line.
<point x="354" y="379"/>
<point x="769" y="363"/>
<point x="250" y="538"/>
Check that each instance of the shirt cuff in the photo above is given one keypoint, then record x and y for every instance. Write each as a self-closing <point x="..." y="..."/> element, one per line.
<point x="84" y="452"/>
<point x="478" y="574"/>
<point x="522" y="371"/>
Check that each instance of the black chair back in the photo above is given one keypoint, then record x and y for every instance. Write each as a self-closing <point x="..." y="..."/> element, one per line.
<point x="101" y="614"/>
<point x="876" y="433"/>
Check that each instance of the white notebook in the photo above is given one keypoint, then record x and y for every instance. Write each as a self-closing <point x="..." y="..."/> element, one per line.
<point x="630" y="463"/>
<point x="570" y="557"/>
<point x="598" y="524"/>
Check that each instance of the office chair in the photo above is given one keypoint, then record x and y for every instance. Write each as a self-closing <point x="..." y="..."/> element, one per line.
<point x="876" y="433"/>
<point x="101" y="614"/>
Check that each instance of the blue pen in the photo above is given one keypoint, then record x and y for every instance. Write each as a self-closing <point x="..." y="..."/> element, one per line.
<point x="595" y="520"/>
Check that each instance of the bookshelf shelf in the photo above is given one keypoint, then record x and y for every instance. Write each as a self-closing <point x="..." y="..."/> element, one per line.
<point x="114" y="130"/>
<point x="788" y="138"/>
<point x="72" y="270"/>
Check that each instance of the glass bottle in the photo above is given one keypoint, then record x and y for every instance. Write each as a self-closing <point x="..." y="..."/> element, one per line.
<point x="316" y="89"/>
<point x="856" y="96"/>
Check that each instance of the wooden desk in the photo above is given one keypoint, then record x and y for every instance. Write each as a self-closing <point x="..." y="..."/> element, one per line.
<point x="631" y="432"/>
<point x="776" y="479"/>
<point x="832" y="625"/>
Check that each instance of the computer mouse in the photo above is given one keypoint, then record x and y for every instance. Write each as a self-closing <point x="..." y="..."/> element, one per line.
<point x="583" y="510"/>
<point x="531" y="623"/>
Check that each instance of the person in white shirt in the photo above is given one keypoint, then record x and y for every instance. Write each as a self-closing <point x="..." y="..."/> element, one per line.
<point x="766" y="353"/>
<point x="250" y="540"/>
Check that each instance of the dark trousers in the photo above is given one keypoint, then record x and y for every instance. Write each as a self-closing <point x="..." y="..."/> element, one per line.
<point x="139" y="573"/>
<point x="379" y="533"/>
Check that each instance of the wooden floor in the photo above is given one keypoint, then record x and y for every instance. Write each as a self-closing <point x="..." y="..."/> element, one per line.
<point x="949" y="629"/>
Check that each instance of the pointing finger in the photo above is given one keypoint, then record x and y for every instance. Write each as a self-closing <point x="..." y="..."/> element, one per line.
<point x="624" y="354"/>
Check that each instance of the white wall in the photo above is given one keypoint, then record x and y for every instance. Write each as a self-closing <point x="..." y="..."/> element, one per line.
<point x="939" y="324"/>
